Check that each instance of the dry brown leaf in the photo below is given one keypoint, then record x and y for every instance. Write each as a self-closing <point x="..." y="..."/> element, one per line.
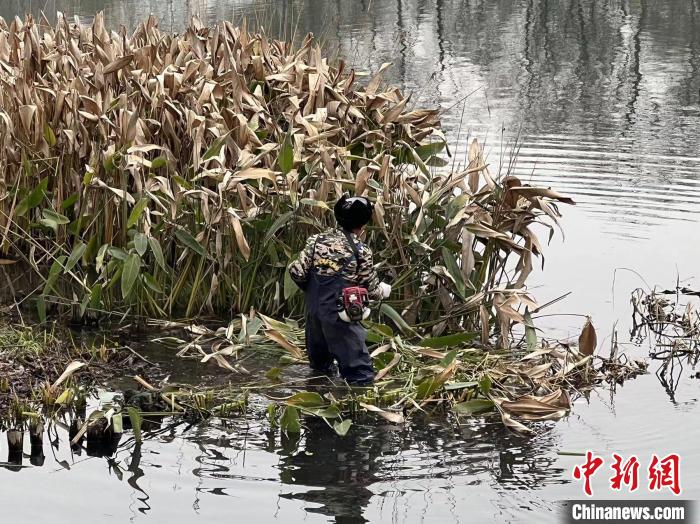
<point x="484" y="320"/>
<point x="385" y="371"/>
<point x="222" y="362"/>
<point x="278" y="337"/>
<point x="119" y="63"/>
<point x="513" y="424"/>
<point x="240" y="237"/>
<point x="431" y="353"/>
<point x="396" y="418"/>
<point x="380" y="350"/>
<point x="227" y="351"/>
<point x="587" y="341"/>
<point x="534" y="408"/>
<point x="255" y="173"/>
<point x="530" y="192"/>
<point x="70" y="369"/>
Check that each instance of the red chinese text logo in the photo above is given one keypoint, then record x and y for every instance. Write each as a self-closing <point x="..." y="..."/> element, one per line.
<point x="627" y="473"/>
<point x="587" y="470"/>
<point x="665" y="473"/>
<point x="662" y="473"/>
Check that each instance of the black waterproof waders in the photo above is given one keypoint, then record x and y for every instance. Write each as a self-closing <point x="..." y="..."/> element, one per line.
<point x="328" y="337"/>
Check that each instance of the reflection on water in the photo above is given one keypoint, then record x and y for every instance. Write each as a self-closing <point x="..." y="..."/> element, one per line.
<point x="604" y="100"/>
<point x="431" y="471"/>
<point x="334" y="478"/>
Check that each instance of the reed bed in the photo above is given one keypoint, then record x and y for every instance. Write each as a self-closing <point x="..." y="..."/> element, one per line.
<point x="161" y="175"/>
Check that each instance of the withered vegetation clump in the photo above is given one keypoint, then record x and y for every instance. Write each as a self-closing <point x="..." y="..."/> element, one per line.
<point x="162" y="174"/>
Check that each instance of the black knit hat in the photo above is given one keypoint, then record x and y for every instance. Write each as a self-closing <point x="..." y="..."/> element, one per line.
<point x="353" y="212"/>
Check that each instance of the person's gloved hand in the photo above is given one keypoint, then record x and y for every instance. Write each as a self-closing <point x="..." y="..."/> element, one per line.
<point x="386" y="289"/>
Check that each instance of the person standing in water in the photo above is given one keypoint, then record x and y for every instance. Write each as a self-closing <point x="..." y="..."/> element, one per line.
<point x="331" y="262"/>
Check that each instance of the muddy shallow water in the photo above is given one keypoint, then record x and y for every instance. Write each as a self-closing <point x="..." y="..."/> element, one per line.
<point x="605" y="100"/>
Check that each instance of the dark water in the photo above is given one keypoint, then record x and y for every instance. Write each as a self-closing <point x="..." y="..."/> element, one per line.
<point x="605" y="100"/>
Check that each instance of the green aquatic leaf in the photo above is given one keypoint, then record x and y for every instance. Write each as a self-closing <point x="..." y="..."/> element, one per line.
<point x="108" y="164"/>
<point x="33" y="199"/>
<point x="54" y="272"/>
<point x="485" y="384"/>
<point x="84" y="304"/>
<point x="75" y="256"/>
<point x="455" y="204"/>
<point x="285" y="160"/>
<point x="135" y="418"/>
<point x="279" y="223"/>
<point x="454" y="271"/>
<point x="473" y="407"/>
<point x="272" y="415"/>
<point x="41" y="308"/>
<point x="157" y="252"/>
<point x="382" y="360"/>
<point x="215" y="148"/>
<point x="382" y="330"/>
<point x="151" y="283"/>
<point x="373" y="338"/>
<point x="130" y="272"/>
<point x="69" y="202"/>
<point x="449" y="358"/>
<point x="390" y="312"/>
<point x="49" y="223"/>
<point x="182" y="182"/>
<point x="416" y="159"/>
<point x="342" y="428"/>
<point x="375" y="185"/>
<point x="56" y="217"/>
<point x="52" y="220"/>
<point x="530" y="333"/>
<point x="307" y="399"/>
<point x="428" y="386"/>
<point x="289" y="421"/>
<point x="96" y="296"/>
<point x="100" y="257"/>
<point x="427" y="150"/>
<point x="91" y="251"/>
<point x="189" y="241"/>
<point x="117" y="253"/>
<point x="461" y="385"/>
<point x="454" y="339"/>
<point x="49" y="135"/>
<point x="252" y="328"/>
<point x="159" y="162"/>
<point x="326" y="412"/>
<point x="290" y="287"/>
<point x="140" y="243"/>
<point x="136" y="212"/>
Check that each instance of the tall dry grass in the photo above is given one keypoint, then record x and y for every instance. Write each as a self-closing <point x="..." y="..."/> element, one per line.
<point x="162" y="175"/>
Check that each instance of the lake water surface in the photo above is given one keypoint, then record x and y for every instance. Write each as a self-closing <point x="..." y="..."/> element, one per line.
<point x="604" y="99"/>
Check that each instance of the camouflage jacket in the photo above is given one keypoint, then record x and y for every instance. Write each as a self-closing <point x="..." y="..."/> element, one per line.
<point x="330" y="253"/>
